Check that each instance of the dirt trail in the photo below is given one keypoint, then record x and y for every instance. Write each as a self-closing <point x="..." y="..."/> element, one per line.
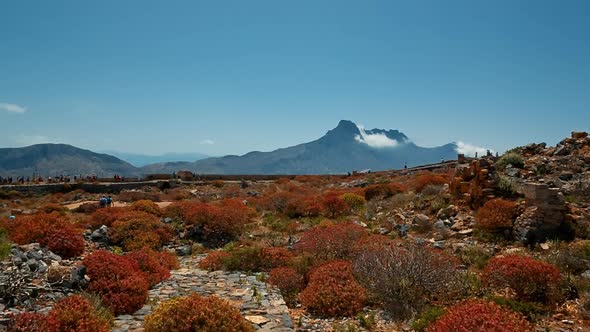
<point x="115" y="204"/>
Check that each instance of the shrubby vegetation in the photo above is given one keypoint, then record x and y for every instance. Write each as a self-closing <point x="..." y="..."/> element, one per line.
<point x="196" y="313"/>
<point x="478" y="315"/>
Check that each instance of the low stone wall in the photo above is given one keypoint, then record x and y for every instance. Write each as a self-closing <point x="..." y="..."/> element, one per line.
<point x="114" y="187"/>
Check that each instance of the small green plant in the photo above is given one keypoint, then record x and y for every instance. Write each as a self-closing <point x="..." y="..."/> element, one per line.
<point x="345" y="327"/>
<point x="426" y="317"/>
<point x="275" y="223"/>
<point x="532" y="311"/>
<point x="506" y="186"/>
<point x="4" y="245"/>
<point x="510" y="158"/>
<point x="366" y="321"/>
<point x="475" y="256"/>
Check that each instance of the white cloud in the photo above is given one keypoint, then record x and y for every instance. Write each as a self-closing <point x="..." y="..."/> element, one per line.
<point x="470" y="150"/>
<point x="378" y="140"/>
<point x="207" y="142"/>
<point x="12" y="108"/>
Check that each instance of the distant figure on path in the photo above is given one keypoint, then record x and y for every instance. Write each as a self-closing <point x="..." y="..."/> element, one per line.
<point x="103" y="202"/>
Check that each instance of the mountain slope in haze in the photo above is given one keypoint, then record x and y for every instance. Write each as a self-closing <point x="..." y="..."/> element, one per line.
<point x="343" y="149"/>
<point x="139" y="160"/>
<point x="57" y="159"/>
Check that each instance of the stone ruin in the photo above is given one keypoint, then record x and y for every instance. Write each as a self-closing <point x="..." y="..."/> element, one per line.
<point x="473" y="181"/>
<point x="544" y="215"/>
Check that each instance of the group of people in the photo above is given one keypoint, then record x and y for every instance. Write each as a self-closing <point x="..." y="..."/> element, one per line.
<point x="105" y="201"/>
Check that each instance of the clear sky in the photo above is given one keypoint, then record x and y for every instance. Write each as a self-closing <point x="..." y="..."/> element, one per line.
<point x="227" y="77"/>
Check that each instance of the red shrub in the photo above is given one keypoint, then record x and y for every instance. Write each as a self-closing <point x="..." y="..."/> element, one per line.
<point x="530" y="279"/>
<point x="50" y="230"/>
<point x="108" y="216"/>
<point x="384" y="190"/>
<point x="213" y="224"/>
<point x="147" y="206"/>
<point x="478" y="315"/>
<point x="118" y="279"/>
<point x="196" y="313"/>
<point x="276" y="257"/>
<point x="289" y="281"/>
<point x="214" y="261"/>
<point x="496" y="215"/>
<point x="52" y="207"/>
<point x="334" y="205"/>
<point x="66" y="241"/>
<point x="140" y="231"/>
<point x="331" y="242"/>
<point x="27" y="322"/>
<point x="169" y="260"/>
<point x="149" y="262"/>
<point x="371" y="243"/>
<point x="333" y="291"/>
<point x="75" y="313"/>
<point x="424" y="179"/>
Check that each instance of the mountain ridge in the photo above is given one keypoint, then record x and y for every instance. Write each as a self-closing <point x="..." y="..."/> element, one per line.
<point x="345" y="148"/>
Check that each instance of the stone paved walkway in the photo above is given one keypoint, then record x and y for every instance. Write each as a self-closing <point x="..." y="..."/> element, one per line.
<point x="260" y="304"/>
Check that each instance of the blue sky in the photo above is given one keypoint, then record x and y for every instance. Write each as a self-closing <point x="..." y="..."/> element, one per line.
<point x="227" y="77"/>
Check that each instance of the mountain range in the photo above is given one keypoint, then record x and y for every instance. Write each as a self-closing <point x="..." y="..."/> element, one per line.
<point x="343" y="149"/>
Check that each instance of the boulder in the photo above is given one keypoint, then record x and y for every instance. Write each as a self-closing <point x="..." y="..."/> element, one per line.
<point x="100" y="235"/>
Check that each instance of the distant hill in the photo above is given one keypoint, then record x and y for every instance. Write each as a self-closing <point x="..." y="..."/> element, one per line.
<point x="139" y="160"/>
<point x="58" y="159"/>
<point x="345" y="148"/>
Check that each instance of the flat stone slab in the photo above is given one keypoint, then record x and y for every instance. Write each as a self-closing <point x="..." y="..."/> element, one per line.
<point x="259" y="303"/>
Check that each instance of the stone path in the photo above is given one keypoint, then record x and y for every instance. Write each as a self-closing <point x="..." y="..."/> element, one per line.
<point x="259" y="303"/>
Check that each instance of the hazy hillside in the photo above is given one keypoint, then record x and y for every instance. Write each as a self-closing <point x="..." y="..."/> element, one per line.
<point x="57" y="159"/>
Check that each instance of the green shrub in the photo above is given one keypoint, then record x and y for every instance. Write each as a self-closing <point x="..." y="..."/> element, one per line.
<point x="426" y="317"/>
<point x="475" y="256"/>
<point x="245" y="259"/>
<point x="4" y="245"/>
<point x="510" y="158"/>
<point x="506" y="185"/>
<point x="532" y="311"/>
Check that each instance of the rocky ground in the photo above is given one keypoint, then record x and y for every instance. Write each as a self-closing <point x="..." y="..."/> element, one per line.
<point x="259" y="303"/>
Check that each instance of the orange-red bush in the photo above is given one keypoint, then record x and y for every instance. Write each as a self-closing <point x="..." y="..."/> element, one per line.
<point x="214" y="224"/>
<point x="50" y="230"/>
<point x="530" y="279"/>
<point x="196" y="313"/>
<point x="496" y="215"/>
<point x="214" y="261"/>
<point x="424" y="179"/>
<point x="118" y="280"/>
<point x="334" y="205"/>
<point x="169" y="260"/>
<point x="478" y="315"/>
<point x="147" y="206"/>
<point x="149" y="262"/>
<point x="276" y="257"/>
<point x="52" y="207"/>
<point x="75" y="313"/>
<point x="141" y="231"/>
<point x="27" y="322"/>
<point x="384" y="190"/>
<point x="108" y="216"/>
<point x="289" y="281"/>
<point x="333" y="291"/>
<point x="332" y="241"/>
